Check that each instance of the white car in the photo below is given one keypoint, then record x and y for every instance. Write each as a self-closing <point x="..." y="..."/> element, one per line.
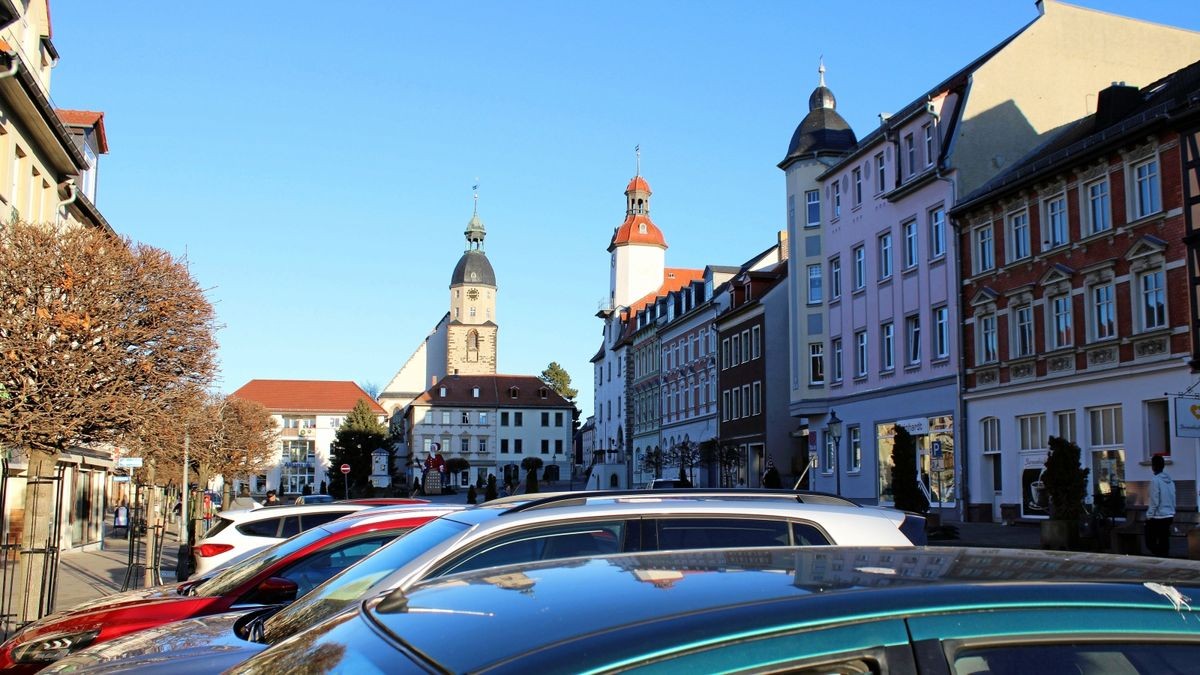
<point x="235" y="532"/>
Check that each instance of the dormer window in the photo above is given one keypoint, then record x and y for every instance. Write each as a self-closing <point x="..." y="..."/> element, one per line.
<point x="513" y="392"/>
<point x="543" y="392"/>
<point x="475" y="392"/>
<point x="442" y="392"/>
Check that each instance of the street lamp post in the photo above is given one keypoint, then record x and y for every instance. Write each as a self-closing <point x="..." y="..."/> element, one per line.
<point x="834" y="428"/>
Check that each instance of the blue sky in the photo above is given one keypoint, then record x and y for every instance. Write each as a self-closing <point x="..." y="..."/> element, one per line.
<point x="314" y="160"/>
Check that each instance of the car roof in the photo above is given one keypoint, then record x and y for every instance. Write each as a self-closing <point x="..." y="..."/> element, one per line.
<point x="630" y="503"/>
<point x="239" y="515"/>
<point x="388" y="513"/>
<point x="637" y="603"/>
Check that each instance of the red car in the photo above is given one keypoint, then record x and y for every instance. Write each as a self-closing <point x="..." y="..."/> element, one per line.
<point x="275" y="575"/>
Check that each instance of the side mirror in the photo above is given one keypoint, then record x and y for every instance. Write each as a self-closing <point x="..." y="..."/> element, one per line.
<point x="274" y="591"/>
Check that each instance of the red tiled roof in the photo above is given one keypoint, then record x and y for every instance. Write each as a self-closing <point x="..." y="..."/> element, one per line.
<point x="638" y="183"/>
<point x="674" y="278"/>
<point x="630" y="232"/>
<point x="332" y="396"/>
<point x="494" y="390"/>
<point x="86" y="118"/>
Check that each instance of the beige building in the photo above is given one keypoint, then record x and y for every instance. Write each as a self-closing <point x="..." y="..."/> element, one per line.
<point x="48" y="171"/>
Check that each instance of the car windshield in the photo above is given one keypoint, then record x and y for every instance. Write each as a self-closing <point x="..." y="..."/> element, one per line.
<point x="358" y="581"/>
<point x="235" y="575"/>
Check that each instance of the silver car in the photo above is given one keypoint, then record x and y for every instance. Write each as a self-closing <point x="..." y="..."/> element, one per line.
<point x="517" y="529"/>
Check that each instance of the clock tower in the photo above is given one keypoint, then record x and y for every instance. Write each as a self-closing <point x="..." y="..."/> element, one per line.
<point x="471" y="333"/>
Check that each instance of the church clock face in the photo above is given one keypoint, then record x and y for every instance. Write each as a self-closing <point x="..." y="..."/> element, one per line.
<point x="472" y="294"/>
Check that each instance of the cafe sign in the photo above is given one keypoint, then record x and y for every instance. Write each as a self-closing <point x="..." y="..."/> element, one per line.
<point x="1187" y="417"/>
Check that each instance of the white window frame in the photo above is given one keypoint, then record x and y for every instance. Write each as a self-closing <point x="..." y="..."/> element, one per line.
<point x="860" y="354"/>
<point x="880" y="174"/>
<point x="941" y="332"/>
<point x="887" y="347"/>
<point x="835" y="278"/>
<point x="988" y="349"/>
<point x="814" y="285"/>
<point x="835" y="349"/>
<point x="856" y="178"/>
<point x="755" y="342"/>
<point x="937" y="233"/>
<point x="885" y="256"/>
<point x="837" y="199"/>
<point x="812" y="200"/>
<point x="1018" y="237"/>
<point x="1021" y="320"/>
<point x="910" y="152"/>
<point x="1061" y="325"/>
<point x="1146" y="188"/>
<point x="985" y="249"/>
<point x="1102" y="311"/>
<point x="855" y="449"/>
<point x="912" y="253"/>
<point x="1106" y="426"/>
<point x="989" y="432"/>
<point x="1152" y="299"/>
<point x="1097" y="206"/>
<point x="756" y="397"/>
<point x="912" y="332"/>
<point x="928" y="129"/>
<point x="1058" y="227"/>
<point x="1031" y="432"/>
<point x="860" y="267"/>
<point x="1065" y="423"/>
<point x="816" y="363"/>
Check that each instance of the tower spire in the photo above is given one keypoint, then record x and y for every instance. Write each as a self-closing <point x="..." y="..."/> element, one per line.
<point x="637" y="153"/>
<point x="475" y="192"/>
<point x="821" y="71"/>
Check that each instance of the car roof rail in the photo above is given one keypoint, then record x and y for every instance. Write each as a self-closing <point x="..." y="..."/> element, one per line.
<point x="581" y="498"/>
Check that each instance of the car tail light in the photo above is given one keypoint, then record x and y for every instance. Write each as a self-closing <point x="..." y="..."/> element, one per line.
<point x="209" y="550"/>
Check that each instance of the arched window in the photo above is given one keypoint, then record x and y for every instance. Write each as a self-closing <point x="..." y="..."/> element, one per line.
<point x="473" y="346"/>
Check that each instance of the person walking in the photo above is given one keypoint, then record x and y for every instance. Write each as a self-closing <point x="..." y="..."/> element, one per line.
<point x="272" y="499"/>
<point x="1161" y="511"/>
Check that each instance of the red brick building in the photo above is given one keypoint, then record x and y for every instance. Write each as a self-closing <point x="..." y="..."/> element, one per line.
<point x="1076" y="307"/>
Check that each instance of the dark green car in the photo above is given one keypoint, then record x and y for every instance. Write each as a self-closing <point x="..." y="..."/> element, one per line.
<point x="798" y="610"/>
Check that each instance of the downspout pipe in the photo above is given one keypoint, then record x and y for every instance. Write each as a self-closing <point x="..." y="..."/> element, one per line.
<point x="74" y="193"/>
<point x="960" y="413"/>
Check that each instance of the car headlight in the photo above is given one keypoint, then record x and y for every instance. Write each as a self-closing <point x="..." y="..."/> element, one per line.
<point x="53" y="646"/>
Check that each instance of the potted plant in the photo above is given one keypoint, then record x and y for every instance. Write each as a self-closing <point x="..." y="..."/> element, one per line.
<point x="1065" y="482"/>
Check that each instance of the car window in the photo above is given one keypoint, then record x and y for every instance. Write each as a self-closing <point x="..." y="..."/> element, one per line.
<point x="1084" y="657"/>
<point x="807" y="534"/>
<point x="320" y="566"/>
<point x="543" y="543"/>
<point x="291" y="526"/>
<point x="688" y="533"/>
<point x="221" y="524"/>
<point x="228" y="580"/>
<point x="311" y="520"/>
<point x="367" y="578"/>
<point x="267" y="527"/>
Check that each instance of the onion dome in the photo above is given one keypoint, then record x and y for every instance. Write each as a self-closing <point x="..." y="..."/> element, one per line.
<point x="823" y="130"/>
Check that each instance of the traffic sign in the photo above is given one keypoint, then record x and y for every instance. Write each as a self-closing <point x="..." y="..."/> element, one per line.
<point x="129" y="462"/>
<point x="345" y="468"/>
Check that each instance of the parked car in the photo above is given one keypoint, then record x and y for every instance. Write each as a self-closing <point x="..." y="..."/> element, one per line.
<point x="314" y="499"/>
<point x="516" y="529"/>
<point x="276" y="575"/>
<point x="802" y="610"/>
<point x="668" y="484"/>
<point x="235" y="531"/>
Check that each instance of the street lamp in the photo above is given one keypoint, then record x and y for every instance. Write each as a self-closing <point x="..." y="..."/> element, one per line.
<point x="834" y="428"/>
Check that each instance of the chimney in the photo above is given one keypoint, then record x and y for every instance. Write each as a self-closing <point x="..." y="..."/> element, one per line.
<point x="783" y="244"/>
<point x="1115" y="103"/>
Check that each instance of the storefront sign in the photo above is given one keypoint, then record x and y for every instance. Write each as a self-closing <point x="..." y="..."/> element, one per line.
<point x="917" y="426"/>
<point x="129" y="462"/>
<point x="1187" y="417"/>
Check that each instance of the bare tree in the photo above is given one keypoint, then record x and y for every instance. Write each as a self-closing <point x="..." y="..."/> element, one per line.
<point x="94" y="332"/>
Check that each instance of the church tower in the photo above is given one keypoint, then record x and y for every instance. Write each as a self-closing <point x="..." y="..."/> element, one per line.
<point x="639" y="252"/>
<point x="471" y="334"/>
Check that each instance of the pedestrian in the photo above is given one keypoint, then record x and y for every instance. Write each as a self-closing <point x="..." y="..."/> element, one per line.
<point x="472" y="496"/>
<point x="272" y="499"/>
<point x="1161" y="510"/>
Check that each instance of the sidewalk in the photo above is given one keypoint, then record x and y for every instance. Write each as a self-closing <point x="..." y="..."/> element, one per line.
<point x="86" y="575"/>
